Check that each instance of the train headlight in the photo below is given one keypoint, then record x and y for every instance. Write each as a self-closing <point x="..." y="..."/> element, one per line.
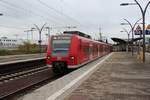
<point x="48" y="57"/>
<point x="72" y="57"/>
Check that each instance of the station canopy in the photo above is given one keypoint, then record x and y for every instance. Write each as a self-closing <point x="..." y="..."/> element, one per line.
<point x="118" y="40"/>
<point x="136" y="39"/>
<point x="123" y="41"/>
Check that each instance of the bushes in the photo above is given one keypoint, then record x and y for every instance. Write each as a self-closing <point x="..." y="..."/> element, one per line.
<point x="5" y="52"/>
<point x="26" y="48"/>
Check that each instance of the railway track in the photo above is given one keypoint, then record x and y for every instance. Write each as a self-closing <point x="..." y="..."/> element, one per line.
<point x="20" y="75"/>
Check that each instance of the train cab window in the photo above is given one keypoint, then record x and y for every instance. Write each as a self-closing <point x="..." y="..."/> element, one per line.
<point x="60" y="47"/>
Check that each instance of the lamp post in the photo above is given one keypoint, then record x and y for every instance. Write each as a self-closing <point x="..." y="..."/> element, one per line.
<point x="143" y="11"/>
<point x="132" y="29"/>
<point x="32" y="29"/>
<point x="48" y="28"/>
<point x="128" y="33"/>
<point x="27" y="31"/>
<point x="40" y="40"/>
<point x="47" y="36"/>
<point x="1" y="14"/>
<point x="100" y="34"/>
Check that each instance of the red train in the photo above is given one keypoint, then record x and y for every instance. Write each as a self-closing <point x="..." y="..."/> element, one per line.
<point x="72" y="50"/>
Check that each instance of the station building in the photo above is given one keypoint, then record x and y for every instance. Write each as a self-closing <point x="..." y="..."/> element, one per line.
<point x="11" y="44"/>
<point x="6" y="43"/>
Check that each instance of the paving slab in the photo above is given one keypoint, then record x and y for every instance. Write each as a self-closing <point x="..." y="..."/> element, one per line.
<point x="121" y="77"/>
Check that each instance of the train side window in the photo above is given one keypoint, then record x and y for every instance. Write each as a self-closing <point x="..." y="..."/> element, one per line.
<point x="86" y="50"/>
<point x="97" y="49"/>
<point x="80" y="44"/>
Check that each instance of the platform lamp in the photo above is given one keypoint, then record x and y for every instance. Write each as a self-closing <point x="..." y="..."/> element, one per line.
<point x="128" y="33"/>
<point x="40" y="33"/>
<point x="143" y="11"/>
<point x="1" y="14"/>
<point x="132" y="26"/>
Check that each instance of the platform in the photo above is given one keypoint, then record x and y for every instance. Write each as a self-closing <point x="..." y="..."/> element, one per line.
<point x="121" y="77"/>
<point x="117" y="76"/>
<point x="13" y="58"/>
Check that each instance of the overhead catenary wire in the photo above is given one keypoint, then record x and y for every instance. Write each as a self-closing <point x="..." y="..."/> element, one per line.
<point x="50" y="14"/>
<point x="57" y="11"/>
<point x="18" y="8"/>
<point x="43" y="14"/>
<point x="71" y="9"/>
<point x="12" y="27"/>
<point x="31" y="12"/>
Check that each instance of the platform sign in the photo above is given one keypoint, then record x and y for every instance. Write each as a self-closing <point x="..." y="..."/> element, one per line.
<point x="138" y="30"/>
<point x="147" y="32"/>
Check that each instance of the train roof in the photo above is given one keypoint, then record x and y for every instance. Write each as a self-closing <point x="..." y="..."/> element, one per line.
<point x="66" y="33"/>
<point x="78" y="33"/>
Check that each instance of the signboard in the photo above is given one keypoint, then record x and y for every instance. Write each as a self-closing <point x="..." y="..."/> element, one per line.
<point x="138" y="27"/>
<point x="147" y="32"/>
<point x="61" y="37"/>
<point x="139" y="32"/>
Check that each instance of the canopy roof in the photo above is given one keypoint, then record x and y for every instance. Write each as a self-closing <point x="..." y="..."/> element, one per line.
<point x="123" y="41"/>
<point x="118" y="40"/>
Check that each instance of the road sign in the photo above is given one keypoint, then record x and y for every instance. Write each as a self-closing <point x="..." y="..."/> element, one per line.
<point x="138" y="27"/>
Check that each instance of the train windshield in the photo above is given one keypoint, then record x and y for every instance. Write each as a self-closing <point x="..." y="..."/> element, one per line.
<point x="60" y="47"/>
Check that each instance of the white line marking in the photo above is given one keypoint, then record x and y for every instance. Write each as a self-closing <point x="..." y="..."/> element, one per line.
<point x="68" y="86"/>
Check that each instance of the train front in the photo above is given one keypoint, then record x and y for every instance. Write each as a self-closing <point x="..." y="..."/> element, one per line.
<point x="58" y="53"/>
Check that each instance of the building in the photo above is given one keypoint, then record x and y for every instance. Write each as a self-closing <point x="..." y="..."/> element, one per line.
<point x="6" y="43"/>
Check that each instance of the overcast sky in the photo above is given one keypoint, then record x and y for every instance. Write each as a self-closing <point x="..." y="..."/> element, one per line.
<point x="87" y="15"/>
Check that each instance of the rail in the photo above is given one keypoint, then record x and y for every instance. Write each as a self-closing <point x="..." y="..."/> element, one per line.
<point x="17" y="75"/>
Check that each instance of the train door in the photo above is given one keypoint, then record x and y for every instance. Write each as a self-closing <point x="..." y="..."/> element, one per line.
<point x="98" y="50"/>
<point x="90" y="51"/>
<point x="80" y="53"/>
